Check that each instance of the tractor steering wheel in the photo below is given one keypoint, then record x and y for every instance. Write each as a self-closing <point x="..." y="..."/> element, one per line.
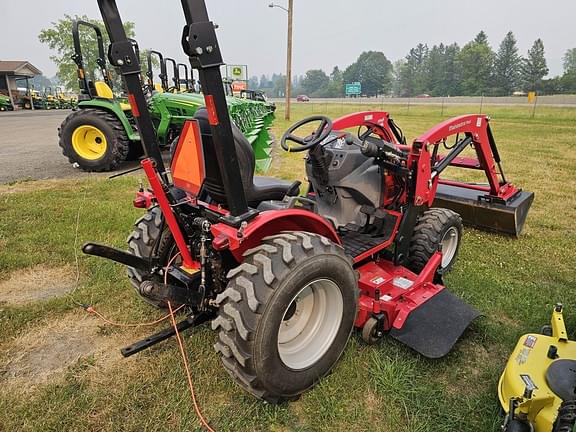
<point x="312" y="140"/>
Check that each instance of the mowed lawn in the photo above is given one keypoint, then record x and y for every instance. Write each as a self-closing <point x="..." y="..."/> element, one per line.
<point x="513" y="282"/>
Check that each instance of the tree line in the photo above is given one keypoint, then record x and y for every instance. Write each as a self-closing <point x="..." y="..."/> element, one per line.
<point x="442" y="70"/>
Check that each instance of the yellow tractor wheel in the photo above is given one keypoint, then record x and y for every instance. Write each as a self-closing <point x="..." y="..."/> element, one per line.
<point x="89" y="142"/>
<point x="94" y="139"/>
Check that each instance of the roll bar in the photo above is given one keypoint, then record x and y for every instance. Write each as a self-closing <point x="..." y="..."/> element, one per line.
<point x="175" y="74"/>
<point x="150" y="73"/>
<point x="186" y="76"/>
<point x="79" y="59"/>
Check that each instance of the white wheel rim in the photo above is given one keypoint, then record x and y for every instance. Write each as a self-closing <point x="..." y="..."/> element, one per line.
<point x="449" y="245"/>
<point x="310" y="324"/>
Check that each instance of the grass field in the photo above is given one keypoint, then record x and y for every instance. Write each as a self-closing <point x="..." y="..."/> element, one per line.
<point x="387" y="387"/>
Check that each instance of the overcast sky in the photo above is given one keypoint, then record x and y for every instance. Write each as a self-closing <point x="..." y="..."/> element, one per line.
<point x="326" y="32"/>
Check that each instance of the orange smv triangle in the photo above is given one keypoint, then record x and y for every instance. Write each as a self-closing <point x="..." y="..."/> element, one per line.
<point x="188" y="162"/>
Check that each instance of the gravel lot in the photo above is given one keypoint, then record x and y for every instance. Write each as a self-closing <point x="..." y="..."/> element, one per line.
<point x="29" y="147"/>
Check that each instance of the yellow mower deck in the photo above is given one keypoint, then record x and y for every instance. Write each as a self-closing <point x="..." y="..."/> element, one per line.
<point x="526" y="370"/>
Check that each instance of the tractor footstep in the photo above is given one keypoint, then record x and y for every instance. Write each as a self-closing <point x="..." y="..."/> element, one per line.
<point x="434" y="328"/>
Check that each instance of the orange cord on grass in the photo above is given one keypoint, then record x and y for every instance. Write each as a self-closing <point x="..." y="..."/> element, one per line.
<point x="91" y="310"/>
<point x="188" y="374"/>
<point x="184" y="357"/>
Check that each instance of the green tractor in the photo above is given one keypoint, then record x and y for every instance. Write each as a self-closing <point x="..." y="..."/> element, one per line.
<point x="64" y="102"/>
<point x="50" y="99"/>
<point x="101" y="133"/>
<point x="98" y="135"/>
<point x="32" y="99"/>
<point x="5" y="103"/>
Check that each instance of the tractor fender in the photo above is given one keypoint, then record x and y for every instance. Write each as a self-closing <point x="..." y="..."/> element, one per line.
<point x="269" y="223"/>
<point x="114" y="109"/>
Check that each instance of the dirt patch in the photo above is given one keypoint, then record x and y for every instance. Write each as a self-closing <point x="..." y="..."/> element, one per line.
<point x="45" y="353"/>
<point x="35" y="284"/>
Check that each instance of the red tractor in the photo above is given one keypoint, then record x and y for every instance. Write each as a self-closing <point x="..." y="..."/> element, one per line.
<point x="283" y="277"/>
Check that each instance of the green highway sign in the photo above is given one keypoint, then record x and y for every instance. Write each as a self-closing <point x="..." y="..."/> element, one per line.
<point x="353" y="89"/>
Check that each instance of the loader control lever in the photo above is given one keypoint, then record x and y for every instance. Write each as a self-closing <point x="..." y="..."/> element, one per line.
<point x="384" y="153"/>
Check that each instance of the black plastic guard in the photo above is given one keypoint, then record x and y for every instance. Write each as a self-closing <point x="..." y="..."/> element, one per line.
<point x="507" y="218"/>
<point x="434" y="328"/>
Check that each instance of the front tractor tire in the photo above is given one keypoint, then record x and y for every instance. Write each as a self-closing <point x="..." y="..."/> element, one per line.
<point x="94" y="139"/>
<point x="286" y="315"/>
<point x="436" y="227"/>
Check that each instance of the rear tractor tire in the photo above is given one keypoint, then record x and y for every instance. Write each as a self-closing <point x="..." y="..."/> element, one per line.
<point x="94" y="139"/>
<point x="150" y="238"/>
<point x="286" y="315"/>
<point x="435" y="227"/>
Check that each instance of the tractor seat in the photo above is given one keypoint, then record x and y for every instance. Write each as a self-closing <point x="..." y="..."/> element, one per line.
<point x="561" y="378"/>
<point x="256" y="188"/>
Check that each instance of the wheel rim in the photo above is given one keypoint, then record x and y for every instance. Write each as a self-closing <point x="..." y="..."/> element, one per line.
<point x="449" y="245"/>
<point x="310" y="324"/>
<point x="89" y="142"/>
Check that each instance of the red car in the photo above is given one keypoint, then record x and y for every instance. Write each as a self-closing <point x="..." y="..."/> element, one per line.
<point x="302" y="98"/>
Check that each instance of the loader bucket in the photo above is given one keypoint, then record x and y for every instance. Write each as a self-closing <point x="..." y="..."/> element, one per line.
<point x="506" y="217"/>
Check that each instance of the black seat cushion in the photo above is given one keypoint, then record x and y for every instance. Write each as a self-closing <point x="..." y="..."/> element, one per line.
<point x="561" y="378"/>
<point x="257" y="189"/>
<point x="269" y="188"/>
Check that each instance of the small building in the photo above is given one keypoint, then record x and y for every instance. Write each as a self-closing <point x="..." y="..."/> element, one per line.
<point x="12" y="72"/>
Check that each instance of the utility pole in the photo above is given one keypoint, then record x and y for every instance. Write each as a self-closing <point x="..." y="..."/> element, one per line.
<point x="289" y="60"/>
<point x="288" y="89"/>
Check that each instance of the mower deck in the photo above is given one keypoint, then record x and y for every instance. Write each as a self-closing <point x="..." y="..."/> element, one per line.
<point x="476" y="210"/>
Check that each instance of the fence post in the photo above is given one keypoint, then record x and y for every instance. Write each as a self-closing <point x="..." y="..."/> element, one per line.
<point x="481" y="102"/>
<point x="534" y="106"/>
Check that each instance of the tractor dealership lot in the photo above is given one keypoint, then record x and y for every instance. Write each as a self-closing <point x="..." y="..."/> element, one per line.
<point x="60" y="368"/>
<point x="29" y="146"/>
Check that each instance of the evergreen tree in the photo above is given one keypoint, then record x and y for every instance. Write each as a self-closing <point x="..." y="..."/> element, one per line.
<point x="413" y="73"/>
<point x="264" y="83"/>
<point x="507" y="66"/>
<point x="336" y="86"/>
<point x="452" y="71"/>
<point x="534" y="67"/>
<point x="476" y="61"/>
<point x="435" y="70"/>
<point x="253" y="82"/>
<point x="568" y="80"/>
<point x="569" y="60"/>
